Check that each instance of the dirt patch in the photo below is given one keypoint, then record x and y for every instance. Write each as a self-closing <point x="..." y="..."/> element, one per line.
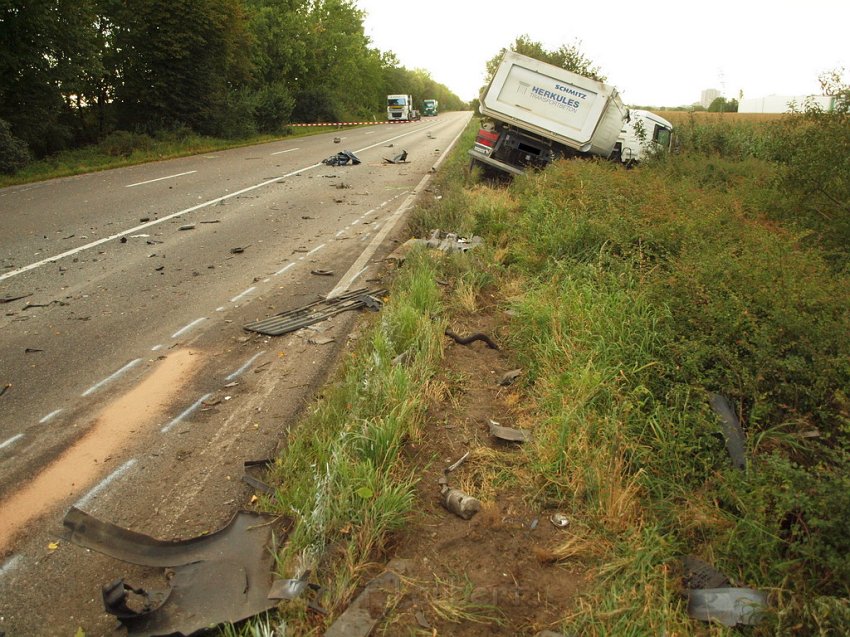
<point x="490" y="574"/>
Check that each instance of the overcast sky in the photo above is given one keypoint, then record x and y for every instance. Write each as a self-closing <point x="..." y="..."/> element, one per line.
<point x="656" y="52"/>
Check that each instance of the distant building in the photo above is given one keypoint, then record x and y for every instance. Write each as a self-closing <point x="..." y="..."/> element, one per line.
<point x="781" y="103"/>
<point x="708" y="96"/>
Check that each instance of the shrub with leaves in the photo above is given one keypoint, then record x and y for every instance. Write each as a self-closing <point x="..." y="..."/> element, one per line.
<point x="812" y="147"/>
<point x="14" y="153"/>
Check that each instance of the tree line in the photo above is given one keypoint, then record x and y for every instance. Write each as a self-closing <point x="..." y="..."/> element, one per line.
<point x="74" y="71"/>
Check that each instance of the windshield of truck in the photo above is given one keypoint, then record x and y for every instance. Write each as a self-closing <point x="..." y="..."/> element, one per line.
<point x="662" y="136"/>
<point x="396" y="101"/>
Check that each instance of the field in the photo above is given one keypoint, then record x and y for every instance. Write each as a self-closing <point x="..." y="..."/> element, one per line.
<point x="681" y="117"/>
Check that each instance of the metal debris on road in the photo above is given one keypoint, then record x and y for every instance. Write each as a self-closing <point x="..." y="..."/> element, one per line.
<point x="401" y="158"/>
<point x="342" y="158"/>
<point x="320" y="340"/>
<point x="322" y="272"/>
<point x="508" y="433"/>
<point x="238" y="249"/>
<point x="222" y="577"/>
<point x="13" y="297"/>
<point x="188" y="226"/>
<point x="317" y="312"/>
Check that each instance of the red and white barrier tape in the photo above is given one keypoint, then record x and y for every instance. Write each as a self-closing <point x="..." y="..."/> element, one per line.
<point x="393" y="121"/>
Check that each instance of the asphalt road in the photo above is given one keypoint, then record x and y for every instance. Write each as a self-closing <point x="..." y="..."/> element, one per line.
<point x="131" y="389"/>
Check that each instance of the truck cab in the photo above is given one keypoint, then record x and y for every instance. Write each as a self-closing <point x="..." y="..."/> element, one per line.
<point x="400" y="108"/>
<point x="430" y="108"/>
<point x="643" y="134"/>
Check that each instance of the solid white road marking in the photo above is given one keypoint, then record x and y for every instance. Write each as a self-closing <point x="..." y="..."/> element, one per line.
<point x="288" y="150"/>
<point x="150" y="181"/>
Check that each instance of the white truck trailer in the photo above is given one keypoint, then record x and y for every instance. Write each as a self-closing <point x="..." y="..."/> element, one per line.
<point x="400" y="109"/>
<point x="538" y="112"/>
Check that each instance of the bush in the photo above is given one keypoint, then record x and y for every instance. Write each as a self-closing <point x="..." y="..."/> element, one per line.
<point x="273" y="108"/>
<point x="811" y="147"/>
<point x="14" y="153"/>
<point x="123" y="143"/>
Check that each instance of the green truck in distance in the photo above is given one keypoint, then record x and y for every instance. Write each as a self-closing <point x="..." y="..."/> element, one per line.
<point x="430" y="108"/>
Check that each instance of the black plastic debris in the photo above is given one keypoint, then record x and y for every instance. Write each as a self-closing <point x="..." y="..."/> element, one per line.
<point x="317" y="312"/>
<point x="466" y="340"/>
<point x="367" y="609"/>
<point x="701" y="574"/>
<point x="13" y="297"/>
<point x="401" y="158"/>
<point x="221" y="577"/>
<point x="249" y="467"/>
<point x="342" y="158"/>
<point x="732" y="432"/>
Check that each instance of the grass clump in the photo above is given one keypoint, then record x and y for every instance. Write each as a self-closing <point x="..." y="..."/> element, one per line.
<point x="341" y="474"/>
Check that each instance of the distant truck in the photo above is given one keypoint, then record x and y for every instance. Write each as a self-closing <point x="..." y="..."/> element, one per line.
<point x="430" y="108"/>
<point x="536" y="112"/>
<point x="400" y="108"/>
